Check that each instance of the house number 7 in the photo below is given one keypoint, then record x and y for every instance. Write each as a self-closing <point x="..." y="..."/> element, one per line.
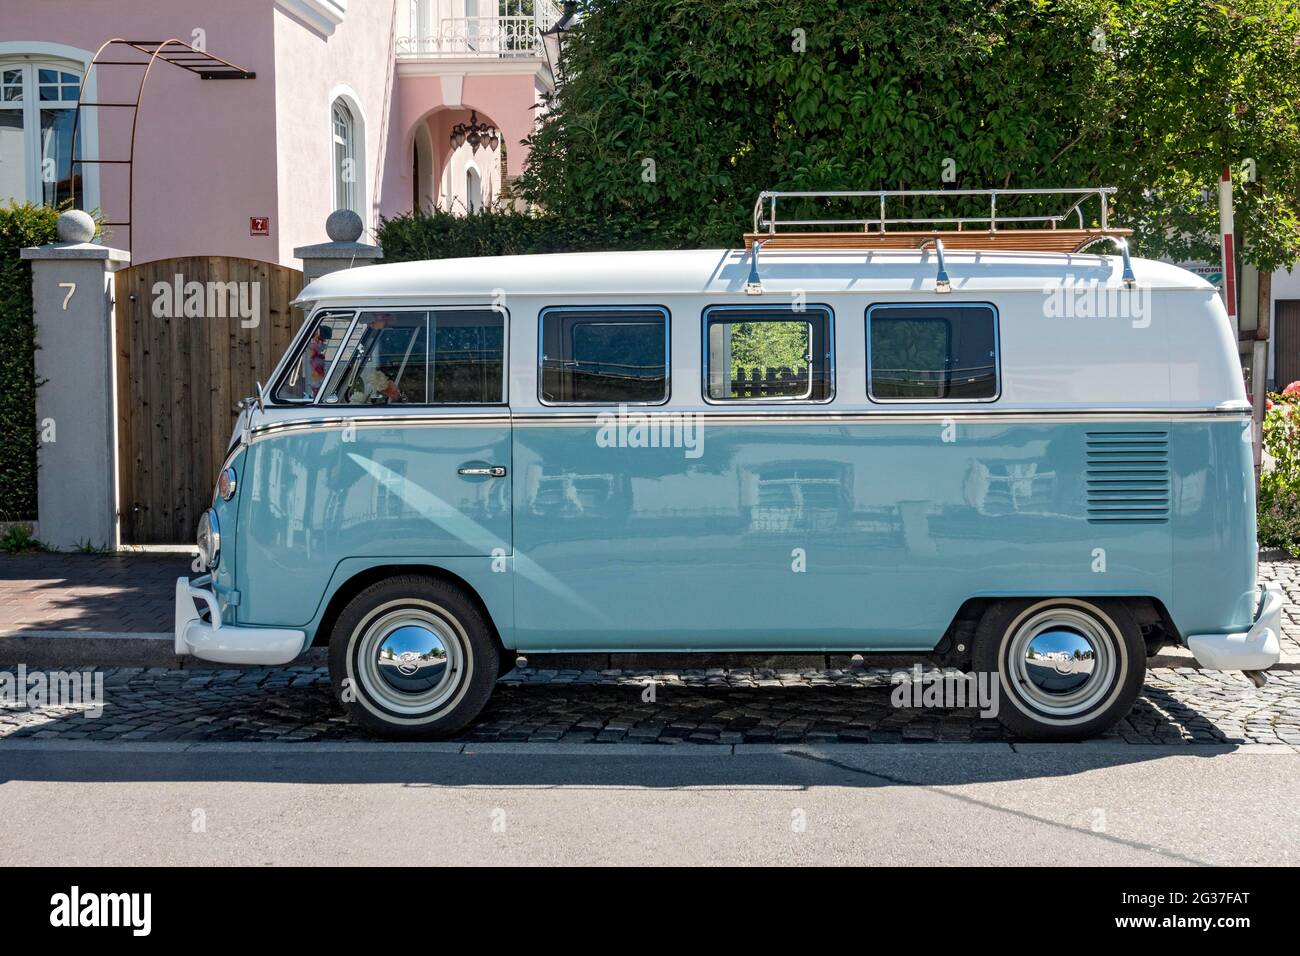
<point x="71" y="287"/>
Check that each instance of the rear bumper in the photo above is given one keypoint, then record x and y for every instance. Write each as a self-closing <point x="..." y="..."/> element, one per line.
<point x="1253" y="650"/>
<point x="212" y="640"/>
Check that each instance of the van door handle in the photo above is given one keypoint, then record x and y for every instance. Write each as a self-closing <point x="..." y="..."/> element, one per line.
<point x="492" y="471"/>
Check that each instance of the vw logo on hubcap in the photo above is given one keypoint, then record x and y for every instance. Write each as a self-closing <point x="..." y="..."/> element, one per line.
<point x="408" y="662"/>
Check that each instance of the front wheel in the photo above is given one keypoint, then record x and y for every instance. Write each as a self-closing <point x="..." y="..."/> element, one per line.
<point x="412" y="657"/>
<point x="1067" y="668"/>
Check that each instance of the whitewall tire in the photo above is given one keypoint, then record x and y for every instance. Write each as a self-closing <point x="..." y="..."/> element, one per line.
<point x="1068" y="668"/>
<point x="412" y="657"/>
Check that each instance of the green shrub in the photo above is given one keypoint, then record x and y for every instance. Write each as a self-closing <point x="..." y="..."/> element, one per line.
<point x="441" y="235"/>
<point x="20" y="226"/>
<point x="1278" y="516"/>
<point x="18" y="538"/>
<point x="684" y="110"/>
<point x="1278" y="509"/>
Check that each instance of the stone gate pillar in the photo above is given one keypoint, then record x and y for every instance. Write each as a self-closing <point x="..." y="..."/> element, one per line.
<point x="76" y="397"/>
<point x="343" y="251"/>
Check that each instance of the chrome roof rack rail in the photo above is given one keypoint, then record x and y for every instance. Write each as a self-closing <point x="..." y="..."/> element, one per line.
<point x="1129" y="279"/>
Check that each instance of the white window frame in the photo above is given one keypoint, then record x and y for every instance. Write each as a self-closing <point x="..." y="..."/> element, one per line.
<point x="32" y="106"/>
<point x="357" y="199"/>
<point x="345" y="190"/>
<point x="729" y="315"/>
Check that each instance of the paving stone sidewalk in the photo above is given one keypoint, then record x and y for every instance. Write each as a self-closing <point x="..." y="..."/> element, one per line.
<point x="743" y="705"/>
<point x="89" y="592"/>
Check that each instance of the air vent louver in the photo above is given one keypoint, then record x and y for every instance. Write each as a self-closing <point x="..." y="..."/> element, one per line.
<point x="1128" y="476"/>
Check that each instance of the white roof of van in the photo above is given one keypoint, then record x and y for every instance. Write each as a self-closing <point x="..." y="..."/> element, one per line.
<point x="725" y="272"/>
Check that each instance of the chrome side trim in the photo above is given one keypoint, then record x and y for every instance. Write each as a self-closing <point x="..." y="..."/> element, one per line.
<point x="889" y="418"/>
<point x="379" y="421"/>
<point x="715" y="416"/>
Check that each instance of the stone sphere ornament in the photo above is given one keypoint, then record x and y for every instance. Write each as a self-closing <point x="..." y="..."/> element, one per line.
<point x="76" y="226"/>
<point x="343" y="225"/>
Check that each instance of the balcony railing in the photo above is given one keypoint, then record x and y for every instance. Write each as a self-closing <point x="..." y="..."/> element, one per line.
<point x="492" y="37"/>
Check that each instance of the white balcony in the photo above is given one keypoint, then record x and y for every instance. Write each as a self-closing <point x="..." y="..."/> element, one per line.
<point x="487" y="37"/>
<point x="455" y="29"/>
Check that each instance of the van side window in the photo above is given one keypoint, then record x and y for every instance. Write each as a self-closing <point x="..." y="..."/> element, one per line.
<point x="304" y="376"/>
<point x="768" y="354"/>
<point x="597" y="356"/>
<point x="467" y="361"/>
<point x="444" y="357"/>
<point x="925" y="353"/>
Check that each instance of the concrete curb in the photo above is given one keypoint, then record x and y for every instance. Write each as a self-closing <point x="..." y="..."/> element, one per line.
<point x="44" y="648"/>
<point x="101" y="648"/>
<point x="702" y="751"/>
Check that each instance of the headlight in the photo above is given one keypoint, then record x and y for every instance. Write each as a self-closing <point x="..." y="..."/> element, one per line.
<point x="209" y="540"/>
<point x="226" y="484"/>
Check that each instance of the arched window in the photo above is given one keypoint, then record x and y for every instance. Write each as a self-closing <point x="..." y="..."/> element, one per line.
<point x="38" y="102"/>
<point x="346" y="163"/>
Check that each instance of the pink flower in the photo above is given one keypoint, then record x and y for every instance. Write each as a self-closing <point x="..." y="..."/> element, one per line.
<point x="1292" y="390"/>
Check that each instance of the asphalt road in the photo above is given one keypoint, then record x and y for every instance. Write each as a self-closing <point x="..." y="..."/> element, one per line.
<point x="322" y="804"/>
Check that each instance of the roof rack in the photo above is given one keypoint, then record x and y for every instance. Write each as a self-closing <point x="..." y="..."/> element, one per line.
<point x="1040" y="232"/>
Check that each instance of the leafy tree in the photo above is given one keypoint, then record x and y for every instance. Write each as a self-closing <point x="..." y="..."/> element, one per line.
<point x="764" y="345"/>
<point x="675" y="114"/>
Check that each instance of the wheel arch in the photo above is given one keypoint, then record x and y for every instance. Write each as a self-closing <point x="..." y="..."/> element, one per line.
<point x="359" y="581"/>
<point x="1153" y="617"/>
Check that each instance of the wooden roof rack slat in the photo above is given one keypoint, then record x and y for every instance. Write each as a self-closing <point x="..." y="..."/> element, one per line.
<point x="885" y="229"/>
<point x="1009" y="240"/>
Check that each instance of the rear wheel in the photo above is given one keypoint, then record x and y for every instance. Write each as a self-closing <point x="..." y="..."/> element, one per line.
<point x="412" y="657"/>
<point x="1067" y="668"/>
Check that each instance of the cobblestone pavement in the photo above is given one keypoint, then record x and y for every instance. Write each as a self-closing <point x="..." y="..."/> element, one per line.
<point x="78" y="593"/>
<point x="743" y="705"/>
<point x="1288" y="574"/>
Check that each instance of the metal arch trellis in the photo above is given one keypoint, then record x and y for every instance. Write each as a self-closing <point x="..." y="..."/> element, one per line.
<point x="176" y="52"/>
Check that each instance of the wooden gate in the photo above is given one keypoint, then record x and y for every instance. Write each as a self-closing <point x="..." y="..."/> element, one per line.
<point x="193" y="336"/>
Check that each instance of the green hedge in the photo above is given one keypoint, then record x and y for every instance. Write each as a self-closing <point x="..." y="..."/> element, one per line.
<point x="440" y="235"/>
<point x="20" y="226"/>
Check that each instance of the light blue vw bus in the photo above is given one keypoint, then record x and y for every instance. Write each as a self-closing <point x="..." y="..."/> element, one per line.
<point x="982" y="447"/>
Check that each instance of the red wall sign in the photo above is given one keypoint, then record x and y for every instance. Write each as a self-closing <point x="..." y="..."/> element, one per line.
<point x="259" y="225"/>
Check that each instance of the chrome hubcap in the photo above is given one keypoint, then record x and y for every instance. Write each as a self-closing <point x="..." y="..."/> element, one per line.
<point x="410" y="660"/>
<point x="1059" y="661"/>
<point x="1062" y="660"/>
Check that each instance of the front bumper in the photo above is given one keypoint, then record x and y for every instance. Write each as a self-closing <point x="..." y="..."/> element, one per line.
<point x="212" y="640"/>
<point x="1253" y="650"/>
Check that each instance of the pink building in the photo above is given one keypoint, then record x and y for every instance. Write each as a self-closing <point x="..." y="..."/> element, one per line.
<point x="373" y="105"/>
